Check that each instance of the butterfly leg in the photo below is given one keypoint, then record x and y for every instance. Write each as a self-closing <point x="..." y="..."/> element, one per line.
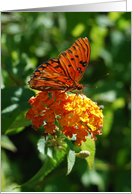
<point x="55" y="99"/>
<point x="52" y="103"/>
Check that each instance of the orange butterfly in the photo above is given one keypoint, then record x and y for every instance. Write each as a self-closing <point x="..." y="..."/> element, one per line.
<point x="64" y="72"/>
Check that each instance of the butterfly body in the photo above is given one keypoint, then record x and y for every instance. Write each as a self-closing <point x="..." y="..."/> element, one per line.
<point x="64" y="72"/>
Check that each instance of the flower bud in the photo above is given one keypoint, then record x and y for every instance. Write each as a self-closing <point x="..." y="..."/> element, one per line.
<point x="83" y="154"/>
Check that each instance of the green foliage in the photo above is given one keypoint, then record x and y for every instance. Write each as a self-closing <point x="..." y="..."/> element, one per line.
<point x="89" y="145"/>
<point x="70" y="156"/>
<point x="48" y="166"/>
<point x="27" y="40"/>
<point x="14" y="104"/>
<point x="7" y="144"/>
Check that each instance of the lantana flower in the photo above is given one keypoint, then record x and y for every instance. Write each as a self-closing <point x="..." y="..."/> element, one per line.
<point x="77" y="115"/>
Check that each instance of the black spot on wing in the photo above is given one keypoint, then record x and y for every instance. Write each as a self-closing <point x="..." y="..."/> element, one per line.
<point x="79" y="69"/>
<point x="81" y="45"/>
<point x="69" y="51"/>
<point x="37" y="71"/>
<point x="47" y="63"/>
<point x="63" y="53"/>
<point x="57" y="66"/>
<point x="40" y="68"/>
<point x="74" y="48"/>
<point x="54" y="60"/>
<point x="83" y="63"/>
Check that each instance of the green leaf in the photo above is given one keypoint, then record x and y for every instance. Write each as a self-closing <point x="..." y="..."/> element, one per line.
<point x="70" y="161"/>
<point x="104" y="21"/>
<point x="49" y="165"/>
<point x="70" y="156"/>
<point x="89" y="145"/>
<point x="78" y="30"/>
<point x="43" y="149"/>
<point x="7" y="144"/>
<point x="14" y="102"/>
<point x="13" y="28"/>
<point x="108" y="121"/>
<point x="18" y="124"/>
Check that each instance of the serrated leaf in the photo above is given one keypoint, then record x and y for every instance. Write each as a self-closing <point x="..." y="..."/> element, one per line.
<point x="70" y="156"/>
<point x="49" y="165"/>
<point x="89" y="145"/>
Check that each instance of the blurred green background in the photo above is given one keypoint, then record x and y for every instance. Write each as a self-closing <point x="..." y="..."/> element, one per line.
<point x="28" y="40"/>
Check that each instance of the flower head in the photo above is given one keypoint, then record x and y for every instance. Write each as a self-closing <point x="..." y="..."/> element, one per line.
<point x="76" y="114"/>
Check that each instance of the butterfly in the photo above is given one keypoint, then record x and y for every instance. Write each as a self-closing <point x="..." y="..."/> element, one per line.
<point x="64" y="72"/>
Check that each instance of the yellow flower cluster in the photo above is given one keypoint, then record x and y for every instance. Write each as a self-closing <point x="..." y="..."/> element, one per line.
<point x="78" y="114"/>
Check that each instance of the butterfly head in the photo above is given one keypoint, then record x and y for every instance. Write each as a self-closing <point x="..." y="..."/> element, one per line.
<point x="78" y="87"/>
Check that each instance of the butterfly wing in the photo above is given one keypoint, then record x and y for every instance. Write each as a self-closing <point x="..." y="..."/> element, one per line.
<point x="50" y="76"/>
<point x="75" y="60"/>
<point x="64" y="72"/>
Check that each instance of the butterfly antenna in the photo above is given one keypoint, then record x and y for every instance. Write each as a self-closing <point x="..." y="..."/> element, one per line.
<point x="96" y="79"/>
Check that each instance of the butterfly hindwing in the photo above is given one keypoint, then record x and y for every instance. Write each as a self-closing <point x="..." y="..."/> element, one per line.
<point x="50" y="76"/>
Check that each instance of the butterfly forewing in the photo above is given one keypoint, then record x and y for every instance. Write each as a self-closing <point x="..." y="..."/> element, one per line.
<point x="75" y="59"/>
<point x="85" y="53"/>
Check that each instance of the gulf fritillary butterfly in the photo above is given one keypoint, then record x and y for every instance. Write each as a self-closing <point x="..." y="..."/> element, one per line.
<point x="64" y="72"/>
